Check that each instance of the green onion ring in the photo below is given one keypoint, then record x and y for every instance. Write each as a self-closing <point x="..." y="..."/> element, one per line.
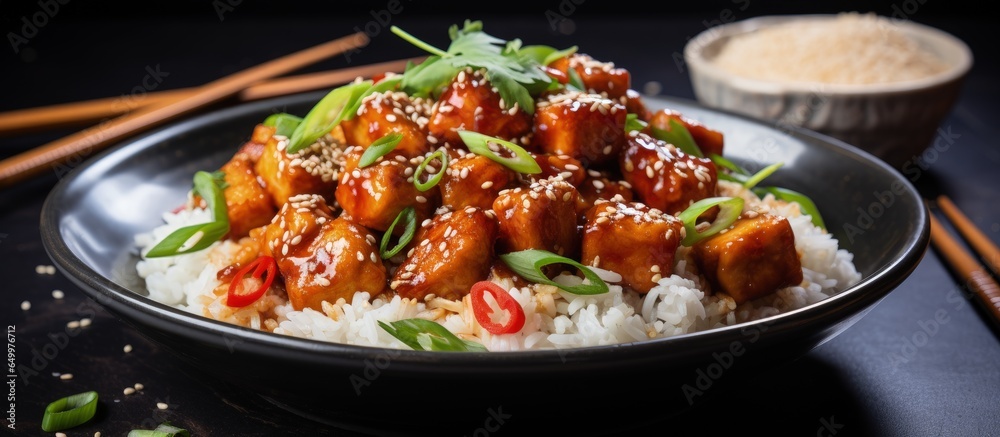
<point x="422" y="334"/>
<point x="529" y="263"/>
<point x="410" y="216"/>
<point x="521" y="162"/>
<point x="433" y="180"/>
<point x="70" y="411"/>
<point x="379" y="148"/>
<point x="730" y="210"/>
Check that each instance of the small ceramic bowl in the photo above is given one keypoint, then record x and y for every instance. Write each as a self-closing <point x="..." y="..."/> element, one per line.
<point x="894" y="121"/>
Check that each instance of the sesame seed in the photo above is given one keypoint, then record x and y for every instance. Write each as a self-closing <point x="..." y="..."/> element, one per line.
<point x="486" y="185"/>
<point x="443" y="246"/>
<point x="421" y="199"/>
<point x="66" y="376"/>
<point x="361" y="256"/>
<point x="649" y="172"/>
<point x="161" y="405"/>
<point x="373" y="257"/>
<point x="73" y="325"/>
<point x="655" y="268"/>
<point x="50" y="270"/>
<point x="25" y="305"/>
<point x="139" y="386"/>
<point x="284" y="249"/>
<point x="390" y="118"/>
<point x="40" y="269"/>
<point x="296" y="240"/>
<point x="58" y="294"/>
<point x="127" y="348"/>
<point x="128" y="391"/>
<point x="60" y="434"/>
<point x="323" y="281"/>
<point x="526" y="203"/>
<point x="85" y="322"/>
<point x="97" y="434"/>
<point x="598" y="184"/>
<point x="656" y="277"/>
<point x="601" y="220"/>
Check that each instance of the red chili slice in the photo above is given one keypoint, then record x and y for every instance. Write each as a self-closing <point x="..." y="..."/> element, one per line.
<point x="515" y="320"/>
<point x="264" y="266"/>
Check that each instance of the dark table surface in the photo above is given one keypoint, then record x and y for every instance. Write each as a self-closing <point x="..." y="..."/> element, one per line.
<point x="924" y="361"/>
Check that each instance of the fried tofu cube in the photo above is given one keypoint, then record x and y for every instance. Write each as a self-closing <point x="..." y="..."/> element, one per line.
<point x="601" y="187"/>
<point x="300" y="217"/>
<point x="598" y="77"/>
<point x="633" y="240"/>
<point x="474" y="180"/>
<point x="665" y="178"/>
<point x="247" y="203"/>
<point x="755" y="257"/>
<point x="342" y="259"/>
<point x="285" y="175"/>
<point x="587" y="127"/>
<point x="540" y="216"/>
<point x="569" y="168"/>
<point x="708" y="140"/>
<point x="453" y="251"/>
<point x="255" y="146"/>
<point x="386" y="113"/>
<point x="470" y="103"/>
<point x="374" y="195"/>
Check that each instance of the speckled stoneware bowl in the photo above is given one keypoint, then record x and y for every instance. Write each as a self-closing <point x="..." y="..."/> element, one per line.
<point x="894" y="121"/>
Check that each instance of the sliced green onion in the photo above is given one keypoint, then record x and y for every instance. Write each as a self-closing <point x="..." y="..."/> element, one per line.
<point x="575" y="80"/>
<point x="529" y="263"/>
<point x="433" y="180"/>
<point x="410" y="216"/>
<point x="70" y="411"/>
<point x="426" y="335"/>
<point x="163" y="430"/>
<point x="521" y="162"/>
<point x="752" y="181"/>
<point x="679" y="136"/>
<point x="730" y="209"/>
<point x="197" y="237"/>
<point x="384" y="85"/>
<point x="806" y="204"/>
<point x="284" y="124"/>
<point x="329" y="112"/>
<point x="379" y="148"/>
<point x="632" y="123"/>
<point x="728" y="165"/>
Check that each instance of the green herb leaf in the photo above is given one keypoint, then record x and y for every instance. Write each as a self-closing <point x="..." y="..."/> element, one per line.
<point x="521" y="162"/>
<point x="163" y="430"/>
<point x="632" y="123"/>
<point x="379" y="148"/>
<point x="728" y="165"/>
<point x="409" y="215"/>
<point x="679" y="136"/>
<point x="730" y="209"/>
<point x="806" y="205"/>
<point x="433" y="180"/>
<point x="283" y="123"/>
<point x="70" y="411"/>
<point x="506" y="69"/>
<point x="529" y="263"/>
<point x="329" y="112"/>
<point x="426" y="335"/>
<point x="197" y="237"/>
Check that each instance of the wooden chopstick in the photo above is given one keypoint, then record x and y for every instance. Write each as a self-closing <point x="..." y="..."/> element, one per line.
<point x="988" y="251"/>
<point x="975" y="276"/>
<point x="84" y="143"/>
<point x="91" y="111"/>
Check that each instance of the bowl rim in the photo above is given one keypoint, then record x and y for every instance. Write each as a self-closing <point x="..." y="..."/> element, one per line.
<point x="868" y="291"/>
<point x="698" y="64"/>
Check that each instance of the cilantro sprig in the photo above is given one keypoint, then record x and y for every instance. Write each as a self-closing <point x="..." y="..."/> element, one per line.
<point x="516" y="75"/>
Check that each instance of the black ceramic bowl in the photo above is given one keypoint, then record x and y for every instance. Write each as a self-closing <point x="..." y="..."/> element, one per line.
<point x="91" y="216"/>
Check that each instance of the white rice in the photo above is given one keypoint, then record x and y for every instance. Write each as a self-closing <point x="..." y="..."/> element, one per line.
<point x="553" y="318"/>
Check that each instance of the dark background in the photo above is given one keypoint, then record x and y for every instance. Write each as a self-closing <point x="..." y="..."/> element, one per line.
<point x="854" y="385"/>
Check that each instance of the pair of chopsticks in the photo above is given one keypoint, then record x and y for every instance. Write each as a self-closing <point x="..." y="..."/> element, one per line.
<point x="253" y="83"/>
<point x="972" y="272"/>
